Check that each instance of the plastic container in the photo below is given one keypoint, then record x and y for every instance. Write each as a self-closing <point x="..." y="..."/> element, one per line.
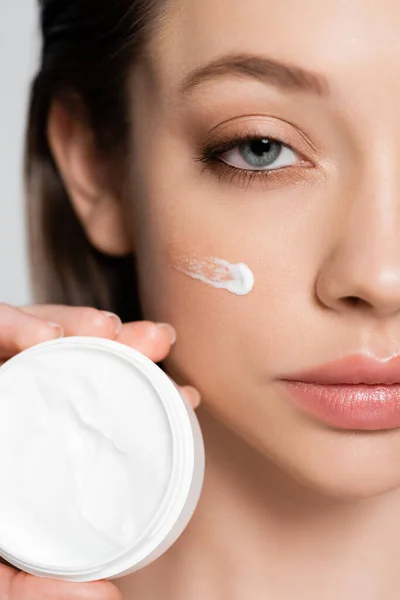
<point x="101" y="460"/>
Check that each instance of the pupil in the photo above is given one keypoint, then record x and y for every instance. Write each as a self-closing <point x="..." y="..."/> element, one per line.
<point x="261" y="147"/>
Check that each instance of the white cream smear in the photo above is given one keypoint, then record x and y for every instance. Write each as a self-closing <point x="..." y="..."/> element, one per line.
<point x="217" y="272"/>
<point x="85" y="459"/>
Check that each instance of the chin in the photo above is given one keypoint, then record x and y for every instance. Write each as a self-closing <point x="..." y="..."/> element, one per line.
<point x="346" y="466"/>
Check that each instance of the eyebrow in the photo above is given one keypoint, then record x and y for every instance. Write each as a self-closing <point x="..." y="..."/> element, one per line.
<point x="269" y="71"/>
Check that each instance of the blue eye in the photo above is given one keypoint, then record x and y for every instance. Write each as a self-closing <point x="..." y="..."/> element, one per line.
<point x="259" y="154"/>
<point x="251" y="158"/>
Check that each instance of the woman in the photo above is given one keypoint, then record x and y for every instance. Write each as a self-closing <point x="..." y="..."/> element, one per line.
<point x="176" y="150"/>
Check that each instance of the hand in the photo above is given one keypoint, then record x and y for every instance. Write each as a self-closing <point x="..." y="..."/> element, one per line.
<point x="26" y="326"/>
<point x="21" y="328"/>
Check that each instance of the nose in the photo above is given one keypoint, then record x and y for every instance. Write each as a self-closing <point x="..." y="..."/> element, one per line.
<point x="361" y="269"/>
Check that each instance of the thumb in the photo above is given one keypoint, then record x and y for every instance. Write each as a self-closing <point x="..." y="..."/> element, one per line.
<point x="17" y="585"/>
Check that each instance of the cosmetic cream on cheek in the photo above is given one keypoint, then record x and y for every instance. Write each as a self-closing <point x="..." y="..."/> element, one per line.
<point x="217" y="272"/>
<point x="101" y="460"/>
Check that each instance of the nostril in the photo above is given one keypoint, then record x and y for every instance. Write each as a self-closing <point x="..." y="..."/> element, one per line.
<point x="353" y="300"/>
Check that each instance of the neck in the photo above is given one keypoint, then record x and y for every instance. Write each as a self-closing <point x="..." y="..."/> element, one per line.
<point x="257" y="532"/>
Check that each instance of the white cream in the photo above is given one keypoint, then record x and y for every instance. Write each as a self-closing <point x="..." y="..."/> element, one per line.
<point x="85" y="457"/>
<point x="219" y="273"/>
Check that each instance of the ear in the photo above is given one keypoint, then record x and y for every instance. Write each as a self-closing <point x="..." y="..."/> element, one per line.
<point x="85" y="176"/>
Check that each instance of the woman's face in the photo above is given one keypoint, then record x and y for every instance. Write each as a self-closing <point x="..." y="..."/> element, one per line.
<point x="316" y="219"/>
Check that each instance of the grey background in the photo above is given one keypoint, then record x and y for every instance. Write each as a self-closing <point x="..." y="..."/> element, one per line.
<point x="19" y="47"/>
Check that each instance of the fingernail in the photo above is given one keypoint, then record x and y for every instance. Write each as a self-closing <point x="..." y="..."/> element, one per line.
<point x="115" y="319"/>
<point x="171" y="331"/>
<point x="60" y="330"/>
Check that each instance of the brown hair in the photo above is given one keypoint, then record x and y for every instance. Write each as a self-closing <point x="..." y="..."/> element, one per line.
<point x="89" y="47"/>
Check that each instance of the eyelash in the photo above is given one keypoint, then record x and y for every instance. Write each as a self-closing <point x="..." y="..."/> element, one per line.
<point x="209" y="156"/>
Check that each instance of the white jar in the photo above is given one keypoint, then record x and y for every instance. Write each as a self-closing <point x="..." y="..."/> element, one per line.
<point x="101" y="460"/>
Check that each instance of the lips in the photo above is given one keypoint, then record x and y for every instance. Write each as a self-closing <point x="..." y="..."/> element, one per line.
<point x="354" y="369"/>
<point x="356" y="392"/>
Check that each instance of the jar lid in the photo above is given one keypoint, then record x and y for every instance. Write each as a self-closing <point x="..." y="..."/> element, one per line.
<point x="101" y="460"/>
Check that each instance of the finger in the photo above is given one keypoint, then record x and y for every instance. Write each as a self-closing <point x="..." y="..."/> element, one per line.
<point x="19" y="331"/>
<point x="77" y="320"/>
<point x="192" y="395"/>
<point x="154" y="340"/>
<point x="15" y="585"/>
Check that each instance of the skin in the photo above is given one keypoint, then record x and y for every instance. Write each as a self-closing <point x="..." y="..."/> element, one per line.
<point x="291" y="508"/>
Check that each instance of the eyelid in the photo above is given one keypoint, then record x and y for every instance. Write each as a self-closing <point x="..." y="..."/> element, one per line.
<point x="267" y="128"/>
<point x="217" y="143"/>
<point x="213" y="153"/>
<point x="229" y="145"/>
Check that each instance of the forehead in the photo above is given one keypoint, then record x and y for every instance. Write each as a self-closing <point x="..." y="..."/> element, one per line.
<point x="345" y="40"/>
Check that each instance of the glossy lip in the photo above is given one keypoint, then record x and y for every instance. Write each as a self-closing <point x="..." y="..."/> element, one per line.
<point x="353" y="369"/>
<point x="355" y="392"/>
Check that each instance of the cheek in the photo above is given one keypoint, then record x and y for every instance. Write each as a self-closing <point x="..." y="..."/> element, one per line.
<point x="230" y="347"/>
<point x="233" y="348"/>
<point x="227" y="343"/>
<point x="217" y="273"/>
